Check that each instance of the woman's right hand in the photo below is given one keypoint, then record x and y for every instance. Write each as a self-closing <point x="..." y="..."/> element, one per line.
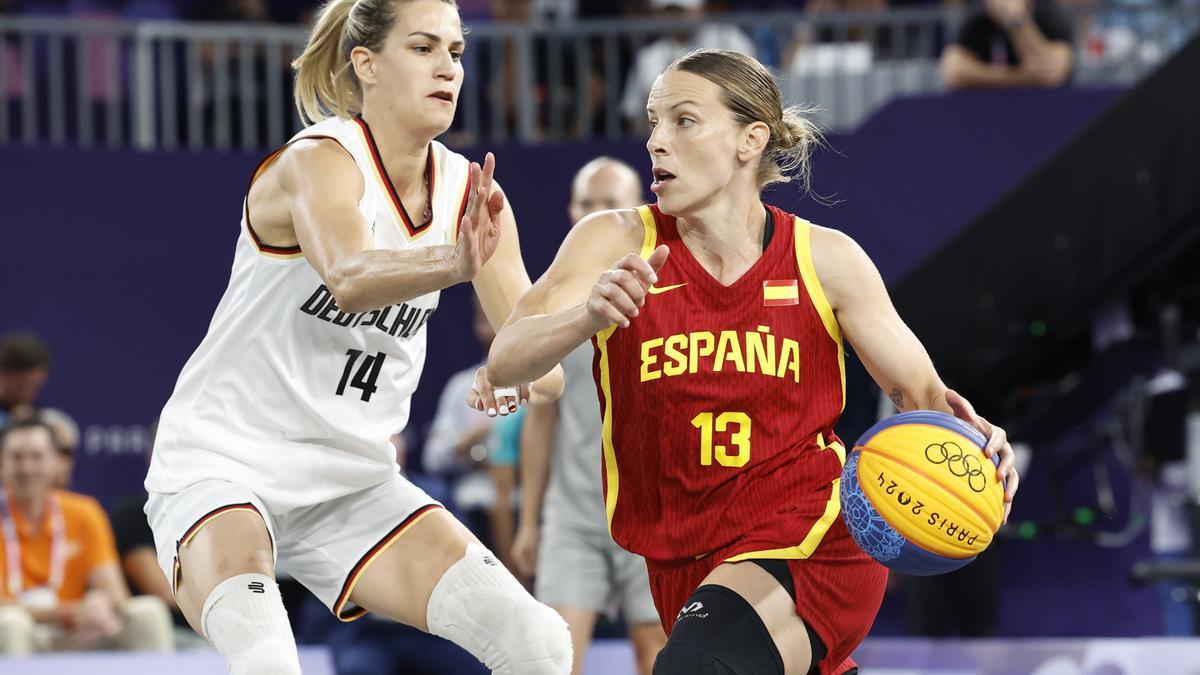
<point x="621" y="290"/>
<point x="479" y="231"/>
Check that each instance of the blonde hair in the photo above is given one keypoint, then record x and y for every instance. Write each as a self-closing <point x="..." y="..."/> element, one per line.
<point x="325" y="80"/>
<point x="751" y="94"/>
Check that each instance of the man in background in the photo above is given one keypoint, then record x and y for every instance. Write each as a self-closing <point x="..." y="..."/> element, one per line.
<point x="579" y="570"/>
<point x="1010" y="43"/>
<point x="60" y="585"/>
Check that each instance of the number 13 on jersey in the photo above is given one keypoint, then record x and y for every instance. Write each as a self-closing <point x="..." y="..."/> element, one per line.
<point x="738" y="426"/>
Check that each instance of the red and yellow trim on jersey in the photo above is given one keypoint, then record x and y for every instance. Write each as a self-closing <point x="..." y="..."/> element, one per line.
<point x="812" y="284"/>
<point x="612" y="476"/>
<point x="816" y="533"/>
<point x="356" y="572"/>
<point x="411" y="230"/>
<point x="207" y="518"/>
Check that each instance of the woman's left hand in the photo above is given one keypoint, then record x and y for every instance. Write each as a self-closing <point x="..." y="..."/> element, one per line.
<point x="495" y="400"/>
<point x="997" y="445"/>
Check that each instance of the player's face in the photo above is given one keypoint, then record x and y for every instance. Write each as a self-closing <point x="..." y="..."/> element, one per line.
<point x="693" y="141"/>
<point x="29" y="462"/>
<point x="418" y="73"/>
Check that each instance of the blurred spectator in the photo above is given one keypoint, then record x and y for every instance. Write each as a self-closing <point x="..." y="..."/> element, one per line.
<point x="66" y="439"/>
<point x="458" y="443"/>
<point x="1010" y="43"/>
<point x="139" y="562"/>
<point x="24" y="367"/>
<point x="62" y="587"/>
<point x="502" y="467"/>
<point x="580" y="570"/>
<point x="656" y="56"/>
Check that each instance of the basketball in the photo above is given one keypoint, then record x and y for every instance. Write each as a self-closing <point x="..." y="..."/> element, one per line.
<point x="919" y="495"/>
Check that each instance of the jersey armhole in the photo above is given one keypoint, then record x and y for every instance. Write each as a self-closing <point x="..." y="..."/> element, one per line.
<point x="650" y="231"/>
<point x="812" y="283"/>
<point x="275" y="252"/>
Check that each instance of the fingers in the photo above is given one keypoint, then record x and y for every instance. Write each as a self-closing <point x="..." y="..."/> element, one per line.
<point x="966" y="412"/>
<point x="599" y="307"/>
<point x="617" y="304"/>
<point x="658" y="257"/>
<point x="495" y="203"/>
<point x="1012" y="481"/>
<point x="483" y="389"/>
<point x="526" y="392"/>
<point x="489" y="169"/>
<point x="507" y="399"/>
<point x="474" y="400"/>
<point x="640" y="268"/>
<point x="473" y="180"/>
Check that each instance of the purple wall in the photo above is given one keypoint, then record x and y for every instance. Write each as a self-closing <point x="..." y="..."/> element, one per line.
<point x="118" y="258"/>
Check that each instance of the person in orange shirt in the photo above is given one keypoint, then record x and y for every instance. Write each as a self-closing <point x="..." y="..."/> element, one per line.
<point x="60" y="580"/>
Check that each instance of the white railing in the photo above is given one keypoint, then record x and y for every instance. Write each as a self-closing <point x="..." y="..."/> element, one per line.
<point x="165" y="85"/>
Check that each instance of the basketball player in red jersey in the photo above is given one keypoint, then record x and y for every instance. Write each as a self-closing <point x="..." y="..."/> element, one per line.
<point x="719" y="365"/>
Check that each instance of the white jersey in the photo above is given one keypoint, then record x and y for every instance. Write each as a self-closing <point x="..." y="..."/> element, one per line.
<point x="287" y="395"/>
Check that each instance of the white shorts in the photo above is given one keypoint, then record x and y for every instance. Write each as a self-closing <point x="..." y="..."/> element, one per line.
<point x="580" y="570"/>
<point x="325" y="546"/>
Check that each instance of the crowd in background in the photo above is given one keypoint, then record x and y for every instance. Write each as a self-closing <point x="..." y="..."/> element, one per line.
<point x="999" y="43"/>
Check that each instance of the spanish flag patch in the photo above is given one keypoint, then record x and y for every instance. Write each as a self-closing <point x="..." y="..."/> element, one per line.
<point x="780" y="292"/>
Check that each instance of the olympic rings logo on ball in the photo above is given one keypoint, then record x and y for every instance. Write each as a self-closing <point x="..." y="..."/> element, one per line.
<point x="959" y="463"/>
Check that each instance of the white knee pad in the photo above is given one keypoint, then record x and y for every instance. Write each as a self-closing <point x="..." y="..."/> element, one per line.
<point x="245" y="620"/>
<point x="482" y="608"/>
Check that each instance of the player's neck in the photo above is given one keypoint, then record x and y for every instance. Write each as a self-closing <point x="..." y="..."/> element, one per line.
<point x="728" y="227"/>
<point x="403" y="155"/>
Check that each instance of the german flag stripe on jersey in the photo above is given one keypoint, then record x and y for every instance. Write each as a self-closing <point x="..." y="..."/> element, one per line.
<point x="339" y="607"/>
<point x="207" y="518"/>
<point x="780" y="293"/>
<point x="462" y="207"/>
<point x="412" y="230"/>
<point x="277" y="252"/>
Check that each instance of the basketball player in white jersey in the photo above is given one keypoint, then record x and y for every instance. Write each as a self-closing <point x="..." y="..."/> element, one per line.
<point x="274" y="445"/>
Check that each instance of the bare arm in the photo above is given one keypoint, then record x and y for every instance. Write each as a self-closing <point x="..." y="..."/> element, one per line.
<point x="501" y="282"/>
<point x="575" y="298"/>
<point x="504" y="479"/>
<point x="961" y="69"/>
<point x="537" y="447"/>
<point x="1047" y="63"/>
<point x="323" y="186"/>
<point x="889" y="350"/>
<point x="107" y="579"/>
<point x="145" y="576"/>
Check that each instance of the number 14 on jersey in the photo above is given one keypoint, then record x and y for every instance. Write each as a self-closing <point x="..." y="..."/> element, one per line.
<point x="737" y="424"/>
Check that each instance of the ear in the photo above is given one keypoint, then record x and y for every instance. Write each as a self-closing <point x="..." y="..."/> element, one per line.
<point x="753" y="141"/>
<point x="362" y="60"/>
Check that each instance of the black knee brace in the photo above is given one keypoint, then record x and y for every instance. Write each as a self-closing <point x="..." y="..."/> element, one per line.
<point x="718" y="633"/>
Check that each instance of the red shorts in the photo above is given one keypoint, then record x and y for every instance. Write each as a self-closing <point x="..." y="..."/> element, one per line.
<point x="838" y="592"/>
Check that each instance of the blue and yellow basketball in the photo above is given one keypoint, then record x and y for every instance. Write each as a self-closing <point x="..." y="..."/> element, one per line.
<point x="919" y="495"/>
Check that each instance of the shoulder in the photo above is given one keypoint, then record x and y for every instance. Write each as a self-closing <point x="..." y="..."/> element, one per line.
<point x="609" y="234"/>
<point x="313" y="161"/>
<point x="840" y="263"/>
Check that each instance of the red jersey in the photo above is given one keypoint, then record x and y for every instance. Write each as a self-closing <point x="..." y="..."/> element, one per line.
<point x="718" y="406"/>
